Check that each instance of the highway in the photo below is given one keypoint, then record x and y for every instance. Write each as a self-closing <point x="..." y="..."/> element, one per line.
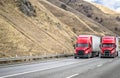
<point x="64" y="68"/>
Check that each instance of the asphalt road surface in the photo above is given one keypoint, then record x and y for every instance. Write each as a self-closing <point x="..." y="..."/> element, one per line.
<point x="65" y="68"/>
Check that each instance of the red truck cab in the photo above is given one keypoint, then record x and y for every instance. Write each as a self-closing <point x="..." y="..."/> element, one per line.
<point x="108" y="46"/>
<point x="83" y="47"/>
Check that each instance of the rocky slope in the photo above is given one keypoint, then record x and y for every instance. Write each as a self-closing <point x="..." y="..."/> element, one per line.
<point x="39" y="27"/>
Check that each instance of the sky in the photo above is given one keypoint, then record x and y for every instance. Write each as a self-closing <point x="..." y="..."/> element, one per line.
<point x="113" y="4"/>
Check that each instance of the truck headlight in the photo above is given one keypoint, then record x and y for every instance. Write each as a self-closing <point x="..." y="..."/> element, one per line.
<point x="113" y="51"/>
<point x="86" y="52"/>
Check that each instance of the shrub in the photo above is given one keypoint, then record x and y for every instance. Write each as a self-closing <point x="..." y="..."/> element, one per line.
<point x="63" y="6"/>
<point x="116" y="29"/>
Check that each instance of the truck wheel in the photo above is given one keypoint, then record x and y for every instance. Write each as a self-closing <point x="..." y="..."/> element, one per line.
<point x="114" y="56"/>
<point x="97" y="54"/>
<point x="89" y="55"/>
<point x="117" y="53"/>
<point x="92" y="55"/>
<point x="100" y="56"/>
<point x="75" y="57"/>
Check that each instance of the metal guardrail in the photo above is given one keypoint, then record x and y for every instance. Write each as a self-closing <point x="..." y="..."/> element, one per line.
<point x="28" y="58"/>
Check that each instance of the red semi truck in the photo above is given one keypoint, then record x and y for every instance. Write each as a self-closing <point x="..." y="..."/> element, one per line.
<point x="109" y="46"/>
<point x="87" y="46"/>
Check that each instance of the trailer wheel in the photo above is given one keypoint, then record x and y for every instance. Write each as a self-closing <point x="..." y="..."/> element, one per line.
<point x="75" y="57"/>
<point x="117" y="53"/>
<point x="92" y="55"/>
<point x="97" y="54"/>
<point x="100" y="56"/>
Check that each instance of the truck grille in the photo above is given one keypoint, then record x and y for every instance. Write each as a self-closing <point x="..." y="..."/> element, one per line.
<point x="107" y="52"/>
<point x="80" y="52"/>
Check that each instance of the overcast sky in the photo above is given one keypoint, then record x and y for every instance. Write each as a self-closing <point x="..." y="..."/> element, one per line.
<point x="113" y="4"/>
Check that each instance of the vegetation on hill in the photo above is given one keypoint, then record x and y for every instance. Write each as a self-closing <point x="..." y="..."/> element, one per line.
<point x="40" y="27"/>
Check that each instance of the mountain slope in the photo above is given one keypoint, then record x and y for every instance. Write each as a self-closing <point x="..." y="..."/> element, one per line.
<point x="24" y="34"/>
<point x="85" y="21"/>
<point x="40" y="27"/>
<point x="109" y="21"/>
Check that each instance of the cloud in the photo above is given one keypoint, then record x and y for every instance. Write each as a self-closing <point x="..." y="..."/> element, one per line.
<point x="118" y="9"/>
<point x="113" y="4"/>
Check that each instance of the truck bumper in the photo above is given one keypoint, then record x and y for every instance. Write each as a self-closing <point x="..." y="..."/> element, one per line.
<point x="85" y="55"/>
<point x="107" y="55"/>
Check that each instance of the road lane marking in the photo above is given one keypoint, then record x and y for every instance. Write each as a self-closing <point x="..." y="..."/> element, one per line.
<point x="72" y="76"/>
<point x="99" y="65"/>
<point x="31" y="71"/>
<point x="16" y="74"/>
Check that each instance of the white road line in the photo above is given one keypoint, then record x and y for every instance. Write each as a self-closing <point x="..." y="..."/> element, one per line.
<point x="72" y="76"/>
<point x="18" y="74"/>
<point x="99" y="65"/>
<point x="31" y="71"/>
<point x="40" y="70"/>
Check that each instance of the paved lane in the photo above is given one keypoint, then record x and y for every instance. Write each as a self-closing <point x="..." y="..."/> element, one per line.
<point x="61" y="68"/>
<point x="109" y="70"/>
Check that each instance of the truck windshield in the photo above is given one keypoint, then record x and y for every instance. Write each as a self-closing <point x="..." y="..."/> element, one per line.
<point x="108" y="45"/>
<point x="82" y="45"/>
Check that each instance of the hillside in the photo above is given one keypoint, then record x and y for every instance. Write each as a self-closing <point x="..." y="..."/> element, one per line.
<point x="84" y="21"/>
<point x="39" y="27"/>
<point x="109" y="21"/>
<point x="28" y="28"/>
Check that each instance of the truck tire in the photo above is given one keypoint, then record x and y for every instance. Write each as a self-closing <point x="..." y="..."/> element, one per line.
<point x="89" y="55"/>
<point x="114" y="55"/>
<point x="97" y="54"/>
<point x="117" y="53"/>
<point x="75" y="57"/>
<point x="100" y="56"/>
<point x="92" y="55"/>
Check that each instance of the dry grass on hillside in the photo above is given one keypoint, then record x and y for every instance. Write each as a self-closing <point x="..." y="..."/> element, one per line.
<point x="38" y="27"/>
<point x="32" y="35"/>
<point x="84" y="21"/>
<point x="68" y="18"/>
<point x="109" y="21"/>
